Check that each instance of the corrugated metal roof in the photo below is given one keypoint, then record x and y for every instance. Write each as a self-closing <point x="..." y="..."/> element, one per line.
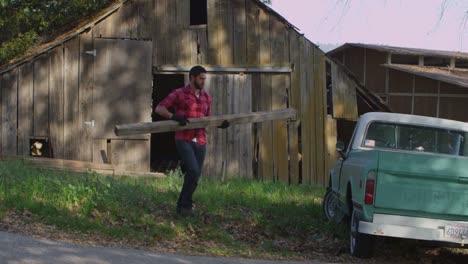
<point x="405" y="51"/>
<point x="454" y="76"/>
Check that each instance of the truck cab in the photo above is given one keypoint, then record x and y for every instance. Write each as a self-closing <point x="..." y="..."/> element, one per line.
<point x="401" y="176"/>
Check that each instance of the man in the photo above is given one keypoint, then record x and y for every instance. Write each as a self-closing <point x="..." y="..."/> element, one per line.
<point x="191" y="101"/>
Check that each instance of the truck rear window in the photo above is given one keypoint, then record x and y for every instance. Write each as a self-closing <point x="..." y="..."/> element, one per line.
<point x="416" y="138"/>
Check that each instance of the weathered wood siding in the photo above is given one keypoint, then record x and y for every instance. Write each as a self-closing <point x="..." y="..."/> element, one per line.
<point x="76" y="92"/>
<point x="344" y="95"/>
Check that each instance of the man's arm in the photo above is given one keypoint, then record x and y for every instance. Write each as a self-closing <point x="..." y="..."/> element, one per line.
<point x="162" y="111"/>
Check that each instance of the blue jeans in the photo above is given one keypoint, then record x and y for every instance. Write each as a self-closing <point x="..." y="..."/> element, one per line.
<point x="192" y="156"/>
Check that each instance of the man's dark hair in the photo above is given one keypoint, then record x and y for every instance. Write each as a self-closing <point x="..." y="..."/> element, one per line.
<point x="196" y="70"/>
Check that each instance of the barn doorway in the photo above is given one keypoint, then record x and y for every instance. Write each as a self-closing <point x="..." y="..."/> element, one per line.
<point x="163" y="150"/>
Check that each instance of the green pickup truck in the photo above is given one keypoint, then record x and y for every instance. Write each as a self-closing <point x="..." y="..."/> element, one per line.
<point x="401" y="176"/>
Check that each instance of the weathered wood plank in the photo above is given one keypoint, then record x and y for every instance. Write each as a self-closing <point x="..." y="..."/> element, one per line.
<point x="202" y="122"/>
<point x="295" y="91"/>
<point x="232" y="133"/>
<point x="25" y="107"/>
<point x="308" y="118"/>
<point x="266" y="130"/>
<point x="131" y="155"/>
<point x="330" y="142"/>
<point x="314" y="114"/>
<point x="86" y="83"/>
<point x="344" y="95"/>
<point x="175" y="47"/>
<point x="183" y="13"/>
<point x="60" y="163"/>
<point x="134" y="101"/>
<point x="221" y="146"/>
<point x="100" y="153"/>
<point x="160" y="32"/>
<point x="80" y="167"/>
<point x="253" y="33"/>
<point x="71" y="99"/>
<point x="9" y="112"/>
<point x="293" y="152"/>
<point x="41" y="96"/>
<point x="56" y="102"/>
<point x="265" y="39"/>
<point x="210" y="158"/>
<point x="279" y="42"/>
<point x="280" y="136"/>
<point x="320" y="88"/>
<point x="214" y="26"/>
<point x="256" y="95"/>
<point x="146" y="18"/>
<point x="226" y="33"/>
<point x="240" y="30"/>
<point x="245" y="134"/>
<point x="200" y="47"/>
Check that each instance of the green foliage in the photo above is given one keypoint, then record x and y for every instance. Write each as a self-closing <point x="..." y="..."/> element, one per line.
<point x="236" y="216"/>
<point x="23" y="21"/>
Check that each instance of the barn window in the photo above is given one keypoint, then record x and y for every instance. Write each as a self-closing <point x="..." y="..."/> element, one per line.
<point x="198" y="12"/>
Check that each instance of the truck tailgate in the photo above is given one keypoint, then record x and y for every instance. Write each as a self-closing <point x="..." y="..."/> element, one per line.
<point x="422" y="183"/>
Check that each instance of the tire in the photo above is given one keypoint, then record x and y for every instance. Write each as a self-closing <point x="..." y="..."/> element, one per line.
<point x="361" y="245"/>
<point x="331" y="207"/>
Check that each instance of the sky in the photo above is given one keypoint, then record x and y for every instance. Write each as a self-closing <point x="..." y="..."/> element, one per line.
<point x="405" y="23"/>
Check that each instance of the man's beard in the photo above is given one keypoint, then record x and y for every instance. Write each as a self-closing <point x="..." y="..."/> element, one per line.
<point x="198" y="86"/>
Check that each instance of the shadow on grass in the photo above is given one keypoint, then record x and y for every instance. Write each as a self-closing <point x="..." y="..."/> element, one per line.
<point x="234" y="215"/>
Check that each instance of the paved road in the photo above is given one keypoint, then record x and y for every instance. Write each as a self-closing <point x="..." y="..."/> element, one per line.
<point x="16" y="249"/>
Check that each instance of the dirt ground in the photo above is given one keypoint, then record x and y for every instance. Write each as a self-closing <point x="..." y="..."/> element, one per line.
<point x="387" y="250"/>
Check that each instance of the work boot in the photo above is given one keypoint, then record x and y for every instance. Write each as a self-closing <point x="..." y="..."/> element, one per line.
<point x="185" y="212"/>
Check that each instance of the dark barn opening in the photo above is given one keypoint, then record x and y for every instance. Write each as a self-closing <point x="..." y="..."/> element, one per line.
<point x="163" y="150"/>
<point x="198" y="12"/>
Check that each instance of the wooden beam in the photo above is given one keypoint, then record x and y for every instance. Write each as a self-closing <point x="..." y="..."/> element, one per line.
<point x="169" y="125"/>
<point x="59" y="163"/>
<point x="79" y="166"/>
<point x="243" y="69"/>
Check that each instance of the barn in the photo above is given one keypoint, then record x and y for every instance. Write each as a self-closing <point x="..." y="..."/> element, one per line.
<point x="113" y="69"/>
<point x="410" y="80"/>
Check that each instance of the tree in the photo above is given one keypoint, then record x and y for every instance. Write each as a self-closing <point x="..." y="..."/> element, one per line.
<point x="24" y="23"/>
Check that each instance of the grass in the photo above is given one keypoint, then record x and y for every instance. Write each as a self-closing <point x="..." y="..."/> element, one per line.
<point x="238" y="217"/>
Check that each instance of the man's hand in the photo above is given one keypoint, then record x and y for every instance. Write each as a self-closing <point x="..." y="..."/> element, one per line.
<point x="181" y="119"/>
<point x="224" y="125"/>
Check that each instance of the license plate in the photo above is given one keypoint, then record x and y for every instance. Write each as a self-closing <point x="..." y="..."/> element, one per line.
<point x="456" y="231"/>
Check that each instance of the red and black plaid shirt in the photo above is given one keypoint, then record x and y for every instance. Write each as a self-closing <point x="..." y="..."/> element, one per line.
<point x="187" y="104"/>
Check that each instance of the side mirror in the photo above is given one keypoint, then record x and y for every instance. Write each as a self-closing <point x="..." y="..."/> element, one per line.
<point x="340" y="147"/>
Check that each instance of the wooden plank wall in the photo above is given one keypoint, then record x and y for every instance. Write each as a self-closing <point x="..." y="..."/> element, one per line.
<point x="56" y="101"/>
<point x="230" y="151"/>
<point x="344" y="95"/>
<point x="238" y="33"/>
<point x="9" y="86"/>
<point x="121" y="95"/>
<point x="71" y="99"/>
<point x="86" y="82"/>
<point x="25" y="107"/>
<point x="41" y="96"/>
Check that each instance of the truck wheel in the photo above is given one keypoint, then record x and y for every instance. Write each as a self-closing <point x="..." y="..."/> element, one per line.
<point x="331" y="208"/>
<point x="361" y="245"/>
